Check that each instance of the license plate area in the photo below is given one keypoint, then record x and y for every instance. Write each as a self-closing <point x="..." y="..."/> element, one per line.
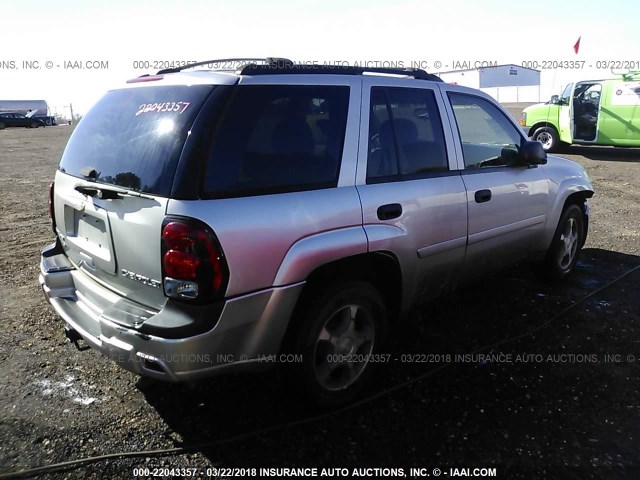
<point x="88" y="237"/>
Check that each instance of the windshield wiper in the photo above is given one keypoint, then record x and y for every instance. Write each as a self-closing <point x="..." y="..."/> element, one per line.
<point x="107" y="192"/>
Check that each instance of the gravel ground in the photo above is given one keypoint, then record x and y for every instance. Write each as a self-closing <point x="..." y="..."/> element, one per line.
<point x="571" y="416"/>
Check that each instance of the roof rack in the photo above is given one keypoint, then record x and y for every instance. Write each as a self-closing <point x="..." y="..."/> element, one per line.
<point x="266" y="61"/>
<point x="631" y="75"/>
<point x="287" y="67"/>
<point x="284" y="66"/>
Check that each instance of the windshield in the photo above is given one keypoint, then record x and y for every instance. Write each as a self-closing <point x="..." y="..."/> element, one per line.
<point x="566" y="94"/>
<point x="133" y="137"/>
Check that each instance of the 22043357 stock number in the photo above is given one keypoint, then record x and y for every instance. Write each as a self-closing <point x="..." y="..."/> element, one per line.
<point x="581" y="64"/>
<point x="146" y="472"/>
<point x="188" y="472"/>
<point x="554" y="64"/>
<point x="160" y="64"/>
<point x="179" y="107"/>
<point x="359" y="358"/>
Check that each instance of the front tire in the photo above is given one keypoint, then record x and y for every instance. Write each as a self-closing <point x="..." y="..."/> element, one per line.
<point x="563" y="253"/>
<point x="548" y="137"/>
<point x="336" y="335"/>
<point x="34" y="125"/>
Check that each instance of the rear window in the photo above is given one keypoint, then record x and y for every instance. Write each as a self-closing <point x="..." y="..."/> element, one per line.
<point x="276" y="139"/>
<point x="133" y="137"/>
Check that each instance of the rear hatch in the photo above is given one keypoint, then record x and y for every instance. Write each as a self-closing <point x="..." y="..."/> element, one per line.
<point x="114" y="181"/>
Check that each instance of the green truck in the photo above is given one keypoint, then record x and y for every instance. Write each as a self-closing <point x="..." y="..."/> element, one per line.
<point x="591" y="112"/>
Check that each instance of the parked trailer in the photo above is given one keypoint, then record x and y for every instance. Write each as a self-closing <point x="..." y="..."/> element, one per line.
<point x="38" y="108"/>
<point x="31" y="108"/>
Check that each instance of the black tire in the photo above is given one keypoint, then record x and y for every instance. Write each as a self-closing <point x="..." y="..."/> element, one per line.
<point x="2" y="126"/>
<point x="567" y="242"/>
<point x="321" y="376"/>
<point x="34" y="125"/>
<point x="548" y="137"/>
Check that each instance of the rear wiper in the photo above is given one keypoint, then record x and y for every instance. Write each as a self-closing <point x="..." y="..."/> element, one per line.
<point x="106" y="192"/>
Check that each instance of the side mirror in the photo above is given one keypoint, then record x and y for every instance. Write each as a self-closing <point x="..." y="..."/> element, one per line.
<point x="532" y="153"/>
<point x="555" y="99"/>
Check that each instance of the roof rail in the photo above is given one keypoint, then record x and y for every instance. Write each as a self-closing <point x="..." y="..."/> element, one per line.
<point x="266" y="61"/>
<point x="631" y="75"/>
<point x="287" y="67"/>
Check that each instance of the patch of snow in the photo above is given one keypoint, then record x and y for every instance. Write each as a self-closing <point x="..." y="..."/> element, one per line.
<point x="63" y="389"/>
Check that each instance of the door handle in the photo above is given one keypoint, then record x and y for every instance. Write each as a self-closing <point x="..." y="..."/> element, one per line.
<point x="389" y="211"/>
<point x="483" y="196"/>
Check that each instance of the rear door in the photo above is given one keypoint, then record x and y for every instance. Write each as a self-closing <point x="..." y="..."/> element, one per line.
<point x="130" y="140"/>
<point x="413" y="198"/>
<point x="507" y="204"/>
<point x="21" y="120"/>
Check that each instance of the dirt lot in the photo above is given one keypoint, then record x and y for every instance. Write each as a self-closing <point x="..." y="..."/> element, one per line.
<point x="569" y="416"/>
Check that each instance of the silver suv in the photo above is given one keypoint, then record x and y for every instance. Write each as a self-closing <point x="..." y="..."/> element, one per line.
<point x="210" y="221"/>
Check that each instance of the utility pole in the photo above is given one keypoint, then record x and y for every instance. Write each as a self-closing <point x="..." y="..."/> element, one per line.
<point x="71" y="109"/>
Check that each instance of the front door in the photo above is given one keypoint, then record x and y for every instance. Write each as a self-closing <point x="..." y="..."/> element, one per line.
<point x="565" y="116"/>
<point x="507" y="203"/>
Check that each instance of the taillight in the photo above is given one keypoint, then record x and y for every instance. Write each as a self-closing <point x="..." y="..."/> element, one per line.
<point x="52" y="214"/>
<point x="193" y="265"/>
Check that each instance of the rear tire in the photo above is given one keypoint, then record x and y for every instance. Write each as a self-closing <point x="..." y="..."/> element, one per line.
<point x="568" y="239"/>
<point x="34" y="125"/>
<point x="2" y="126"/>
<point x="336" y="334"/>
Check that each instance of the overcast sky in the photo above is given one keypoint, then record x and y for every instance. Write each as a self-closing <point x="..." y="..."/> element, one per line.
<point x="121" y="32"/>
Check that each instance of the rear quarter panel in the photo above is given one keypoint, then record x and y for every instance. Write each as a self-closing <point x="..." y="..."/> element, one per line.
<point x="278" y="239"/>
<point x="257" y="233"/>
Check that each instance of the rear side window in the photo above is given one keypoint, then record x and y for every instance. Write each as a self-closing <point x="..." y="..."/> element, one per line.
<point x="406" y="139"/>
<point x="133" y="137"/>
<point x="276" y="139"/>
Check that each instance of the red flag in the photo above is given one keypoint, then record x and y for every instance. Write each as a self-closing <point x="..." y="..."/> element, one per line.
<point x="576" y="47"/>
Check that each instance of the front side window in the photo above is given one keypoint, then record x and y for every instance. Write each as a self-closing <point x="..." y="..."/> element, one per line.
<point x="406" y="139"/>
<point x="277" y="139"/>
<point x="488" y="138"/>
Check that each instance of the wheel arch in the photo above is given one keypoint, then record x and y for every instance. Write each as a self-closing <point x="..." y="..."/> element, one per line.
<point x="574" y="195"/>
<point x="580" y="199"/>
<point x="379" y="268"/>
<point x="537" y="126"/>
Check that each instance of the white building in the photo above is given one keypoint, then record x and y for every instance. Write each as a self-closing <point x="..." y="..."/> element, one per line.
<point x="505" y="83"/>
